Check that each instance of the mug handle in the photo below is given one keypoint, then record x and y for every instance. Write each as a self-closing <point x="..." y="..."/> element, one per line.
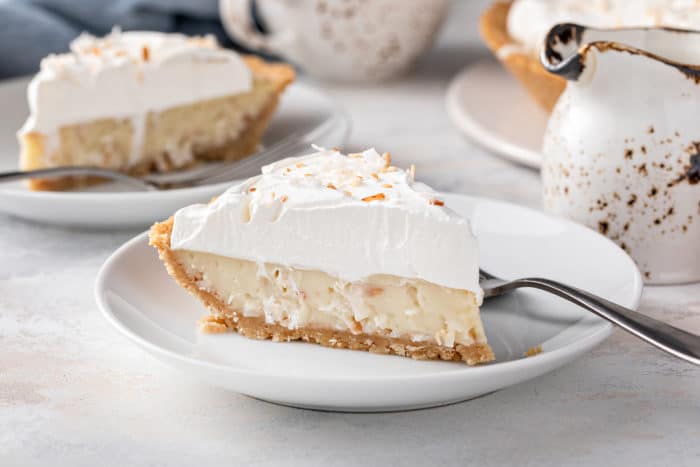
<point x="238" y="23"/>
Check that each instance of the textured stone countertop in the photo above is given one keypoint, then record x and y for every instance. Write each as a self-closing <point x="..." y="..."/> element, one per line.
<point x="73" y="392"/>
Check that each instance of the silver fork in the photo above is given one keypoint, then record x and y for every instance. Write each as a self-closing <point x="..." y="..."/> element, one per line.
<point x="668" y="338"/>
<point x="290" y="145"/>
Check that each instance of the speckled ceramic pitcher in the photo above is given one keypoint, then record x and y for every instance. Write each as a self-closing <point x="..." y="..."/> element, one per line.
<point x="622" y="148"/>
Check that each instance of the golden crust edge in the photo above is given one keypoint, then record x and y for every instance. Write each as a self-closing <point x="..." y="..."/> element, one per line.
<point x="224" y="319"/>
<point x="543" y="86"/>
<point x="280" y="73"/>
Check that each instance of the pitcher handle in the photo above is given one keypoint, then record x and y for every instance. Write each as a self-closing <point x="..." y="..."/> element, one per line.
<point x="236" y="16"/>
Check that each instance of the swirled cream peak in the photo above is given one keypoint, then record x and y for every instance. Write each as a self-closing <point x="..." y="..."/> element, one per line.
<point x="530" y="20"/>
<point x="350" y="216"/>
<point x="127" y="74"/>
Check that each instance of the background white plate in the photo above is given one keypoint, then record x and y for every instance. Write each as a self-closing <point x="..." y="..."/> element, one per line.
<point x="144" y="303"/>
<point x="302" y="108"/>
<point x="490" y="107"/>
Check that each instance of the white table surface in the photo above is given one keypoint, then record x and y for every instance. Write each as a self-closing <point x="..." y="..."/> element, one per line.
<point x="73" y="392"/>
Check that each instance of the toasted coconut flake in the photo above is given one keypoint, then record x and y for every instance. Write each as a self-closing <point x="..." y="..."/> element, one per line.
<point x="356" y="325"/>
<point x="375" y="176"/>
<point x="357" y="181"/>
<point x="356" y="155"/>
<point x="288" y="169"/>
<point x="391" y="168"/>
<point x="299" y="165"/>
<point x="145" y="53"/>
<point x="308" y="175"/>
<point x="284" y="198"/>
<point x="387" y="159"/>
<point x="331" y="186"/>
<point x="377" y="197"/>
<point x="436" y="202"/>
<point x="336" y="149"/>
<point x="532" y="351"/>
<point x="388" y="185"/>
<point x="95" y="51"/>
<point x="252" y="189"/>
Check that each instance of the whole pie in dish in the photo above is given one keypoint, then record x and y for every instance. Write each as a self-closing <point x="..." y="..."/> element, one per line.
<point x="346" y="251"/>
<point x="140" y="102"/>
<point x="515" y="31"/>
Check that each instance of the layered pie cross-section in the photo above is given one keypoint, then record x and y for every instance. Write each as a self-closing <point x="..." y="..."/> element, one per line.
<point x="346" y="251"/>
<point x="141" y="102"/>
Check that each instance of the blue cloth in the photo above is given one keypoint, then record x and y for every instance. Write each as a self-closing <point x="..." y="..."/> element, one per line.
<point x="31" y="29"/>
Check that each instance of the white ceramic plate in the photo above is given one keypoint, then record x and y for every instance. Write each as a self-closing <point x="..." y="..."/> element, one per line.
<point x="302" y="108"/>
<point x="144" y="303"/>
<point x="487" y="104"/>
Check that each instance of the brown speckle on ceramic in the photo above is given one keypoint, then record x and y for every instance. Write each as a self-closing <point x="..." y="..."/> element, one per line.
<point x="371" y="41"/>
<point x="632" y="197"/>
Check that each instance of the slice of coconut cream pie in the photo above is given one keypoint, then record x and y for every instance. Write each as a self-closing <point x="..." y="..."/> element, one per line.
<point x="343" y="251"/>
<point x="146" y="101"/>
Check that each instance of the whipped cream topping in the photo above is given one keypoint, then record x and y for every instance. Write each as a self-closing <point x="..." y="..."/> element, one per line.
<point x="530" y="20"/>
<point x="350" y="216"/>
<point x="127" y="74"/>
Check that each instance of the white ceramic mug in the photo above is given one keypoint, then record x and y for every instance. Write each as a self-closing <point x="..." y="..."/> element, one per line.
<point x="345" y="40"/>
<point x="622" y="147"/>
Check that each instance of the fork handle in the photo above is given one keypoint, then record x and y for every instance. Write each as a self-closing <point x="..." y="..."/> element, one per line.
<point x="668" y="338"/>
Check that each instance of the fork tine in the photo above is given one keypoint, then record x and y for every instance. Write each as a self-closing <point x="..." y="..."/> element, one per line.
<point x="254" y="163"/>
<point x="290" y="145"/>
<point x="295" y="141"/>
<point x="255" y="160"/>
<point x="274" y="153"/>
<point x="485" y="276"/>
<point x="195" y="176"/>
<point x="251" y="164"/>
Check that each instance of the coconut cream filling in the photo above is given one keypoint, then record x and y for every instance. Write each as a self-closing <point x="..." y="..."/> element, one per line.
<point x="379" y="305"/>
